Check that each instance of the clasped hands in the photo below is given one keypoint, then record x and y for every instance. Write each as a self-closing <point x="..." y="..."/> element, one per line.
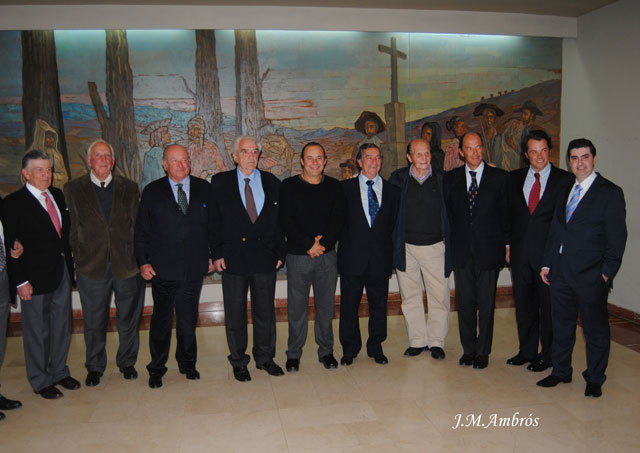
<point x="317" y="249"/>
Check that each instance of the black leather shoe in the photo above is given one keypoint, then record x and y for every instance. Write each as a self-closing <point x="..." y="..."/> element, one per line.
<point x="329" y="361"/>
<point x="192" y="373"/>
<point x="69" y="383"/>
<point x="381" y="359"/>
<point x="517" y="360"/>
<point x="593" y="390"/>
<point x="552" y="380"/>
<point x="93" y="378"/>
<point x="346" y="360"/>
<point x="7" y="404"/>
<point x="241" y="373"/>
<point x="466" y="359"/>
<point x="437" y="353"/>
<point x="538" y="365"/>
<point x="129" y="372"/>
<point x="481" y="361"/>
<point x="292" y="365"/>
<point x="155" y="381"/>
<point x="272" y="368"/>
<point x="412" y="352"/>
<point x="50" y="393"/>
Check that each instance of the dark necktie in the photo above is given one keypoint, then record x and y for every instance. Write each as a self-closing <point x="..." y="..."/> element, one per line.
<point x="374" y="205"/>
<point x="182" y="199"/>
<point x="3" y="256"/>
<point x="102" y="184"/>
<point x="534" y="195"/>
<point x="473" y="192"/>
<point x="251" y="203"/>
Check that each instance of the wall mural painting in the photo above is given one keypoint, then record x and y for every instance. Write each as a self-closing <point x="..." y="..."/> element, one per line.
<point x="140" y="90"/>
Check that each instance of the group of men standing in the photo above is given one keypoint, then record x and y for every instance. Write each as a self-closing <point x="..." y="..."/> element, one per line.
<point x="563" y="235"/>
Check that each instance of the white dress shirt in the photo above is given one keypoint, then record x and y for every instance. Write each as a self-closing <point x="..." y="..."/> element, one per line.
<point x="364" y="193"/>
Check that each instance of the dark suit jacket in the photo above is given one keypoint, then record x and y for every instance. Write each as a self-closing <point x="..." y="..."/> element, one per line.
<point x="400" y="178"/>
<point x="363" y="249"/>
<point x="486" y="235"/>
<point x="42" y="262"/>
<point x="96" y="242"/>
<point x="593" y="240"/>
<point x="175" y="244"/>
<point x="529" y="232"/>
<point x="247" y="248"/>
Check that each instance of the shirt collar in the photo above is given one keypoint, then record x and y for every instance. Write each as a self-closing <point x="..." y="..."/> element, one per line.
<point x="423" y="179"/>
<point x="184" y="182"/>
<point x="544" y="172"/>
<point x="97" y="182"/>
<point x="37" y="192"/>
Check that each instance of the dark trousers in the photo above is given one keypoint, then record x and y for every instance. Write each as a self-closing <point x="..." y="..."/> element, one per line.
<point x="263" y="315"/>
<point x="533" y="313"/>
<point x="46" y="324"/>
<point x="95" y="296"/>
<point x="184" y="296"/>
<point x="351" y="286"/>
<point x="591" y="303"/>
<point x="476" y="300"/>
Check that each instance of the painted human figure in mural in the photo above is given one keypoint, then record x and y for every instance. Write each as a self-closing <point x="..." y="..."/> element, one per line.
<point x="349" y="169"/>
<point x="205" y="156"/>
<point x="432" y="133"/>
<point x="277" y="155"/>
<point x="369" y="124"/>
<point x="45" y="138"/>
<point x="453" y="155"/>
<point x="514" y="130"/>
<point x="492" y="141"/>
<point x="158" y="139"/>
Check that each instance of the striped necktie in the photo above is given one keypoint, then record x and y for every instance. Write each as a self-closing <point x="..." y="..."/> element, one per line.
<point x="573" y="202"/>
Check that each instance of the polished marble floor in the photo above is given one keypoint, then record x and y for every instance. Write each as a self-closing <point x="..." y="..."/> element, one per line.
<point x="411" y="404"/>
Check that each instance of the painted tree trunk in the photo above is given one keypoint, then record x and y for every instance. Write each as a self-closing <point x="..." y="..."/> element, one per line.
<point x="250" y="117"/>
<point x="40" y="88"/>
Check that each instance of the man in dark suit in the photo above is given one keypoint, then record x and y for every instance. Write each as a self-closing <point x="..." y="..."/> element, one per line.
<point x="247" y="245"/>
<point x="171" y="248"/>
<point x="365" y="254"/>
<point x="37" y="216"/>
<point x="420" y="242"/>
<point x="477" y="200"/>
<point x="103" y="209"/>
<point x="534" y="192"/>
<point x="582" y="256"/>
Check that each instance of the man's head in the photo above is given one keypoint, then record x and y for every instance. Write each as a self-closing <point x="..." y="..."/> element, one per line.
<point x="370" y="159"/>
<point x="489" y="117"/>
<point x="471" y="146"/>
<point x="36" y="169"/>
<point x="313" y="159"/>
<point x="49" y="139"/>
<point x="175" y="162"/>
<point x="369" y="124"/>
<point x="419" y="154"/>
<point x="581" y="155"/>
<point x="529" y="112"/>
<point x="246" y="152"/>
<point x="536" y="146"/>
<point x="370" y="128"/>
<point x="426" y="132"/>
<point x="349" y="169"/>
<point x="456" y="125"/>
<point x="100" y="159"/>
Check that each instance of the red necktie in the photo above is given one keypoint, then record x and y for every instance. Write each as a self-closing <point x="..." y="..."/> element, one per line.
<point x="51" y="209"/>
<point x="534" y="195"/>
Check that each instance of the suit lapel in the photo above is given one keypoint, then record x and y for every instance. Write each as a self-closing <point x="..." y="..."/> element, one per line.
<point x="90" y="198"/>
<point x="587" y="199"/>
<point x="521" y="177"/>
<point x="39" y="210"/>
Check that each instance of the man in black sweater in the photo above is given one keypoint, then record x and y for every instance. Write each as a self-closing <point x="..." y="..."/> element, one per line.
<point x="311" y="215"/>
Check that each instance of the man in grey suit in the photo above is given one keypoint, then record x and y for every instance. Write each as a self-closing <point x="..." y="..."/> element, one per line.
<point x="103" y="209"/>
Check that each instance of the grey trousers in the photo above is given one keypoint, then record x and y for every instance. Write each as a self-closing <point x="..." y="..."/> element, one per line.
<point x="4" y="311"/>
<point x="46" y="325"/>
<point x="95" y="296"/>
<point x="303" y="272"/>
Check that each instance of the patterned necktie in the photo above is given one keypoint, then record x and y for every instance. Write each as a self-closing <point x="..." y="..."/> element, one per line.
<point x="534" y="195"/>
<point x="374" y="205"/>
<point x="573" y="202"/>
<point x="250" y="201"/>
<point x="51" y="209"/>
<point x="473" y="192"/>
<point x="3" y="256"/>
<point x="182" y="199"/>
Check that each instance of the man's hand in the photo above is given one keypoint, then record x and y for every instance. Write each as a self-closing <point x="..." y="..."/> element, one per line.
<point x="317" y="249"/>
<point x="212" y="267"/>
<point x="219" y="264"/>
<point x="606" y="279"/>
<point x="544" y="275"/>
<point x="147" y="272"/>
<point x="17" y="250"/>
<point x="279" y="264"/>
<point x="507" y="257"/>
<point x="25" y="291"/>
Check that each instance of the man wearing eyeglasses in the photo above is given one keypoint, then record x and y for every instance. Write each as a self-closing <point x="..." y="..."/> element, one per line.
<point x="365" y="254"/>
<point x="247" y="246"/>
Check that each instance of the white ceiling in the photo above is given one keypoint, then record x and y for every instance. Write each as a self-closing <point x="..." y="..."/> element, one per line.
<point x="566" y="8"/>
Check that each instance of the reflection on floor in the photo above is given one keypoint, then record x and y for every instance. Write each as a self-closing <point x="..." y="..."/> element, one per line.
<point x="411" y="404"/>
